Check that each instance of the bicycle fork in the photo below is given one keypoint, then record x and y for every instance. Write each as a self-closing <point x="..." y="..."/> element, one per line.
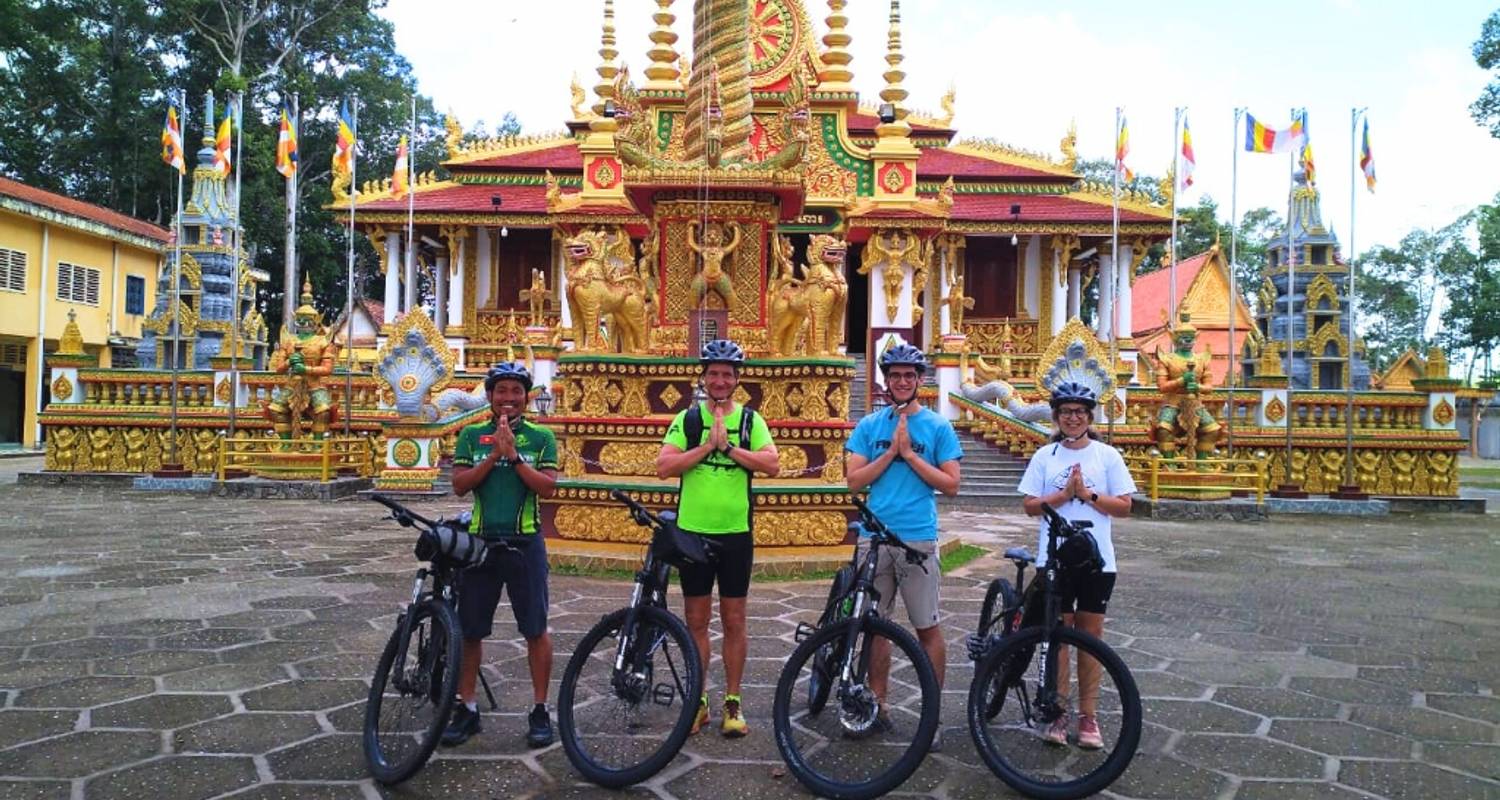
<point x="404" y="637"/>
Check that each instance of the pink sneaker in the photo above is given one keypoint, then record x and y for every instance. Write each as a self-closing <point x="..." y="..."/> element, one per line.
<point x="1057" y="732"/>
<point x="1088" y="734"/>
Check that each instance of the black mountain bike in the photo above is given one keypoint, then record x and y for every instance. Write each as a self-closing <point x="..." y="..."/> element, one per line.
<point x="847" y="743"/>
<point x="416" y="678"/>
<point x="1022" y="680"/>
<point x="631" y="689"/>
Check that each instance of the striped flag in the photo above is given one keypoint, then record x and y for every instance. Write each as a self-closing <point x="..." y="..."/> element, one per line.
<point x="343" y="152"/>
<point x="1122" y="149"/>
<point x="286" y="145"/>
<point x="1261" y="139"/>
<point x="1189" y="161"/>
<point x="222" y="142"/>
<point x="1307" y="162"/>
<point x="399" y="175"/>
<point x="1367" y="159"/>
<point x="171" y="141"/>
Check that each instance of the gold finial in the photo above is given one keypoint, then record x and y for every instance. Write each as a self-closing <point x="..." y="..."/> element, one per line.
<point x="662" y="71"/>
<point x="455" y="134"/>
<point x="608" y="67"/>
<point x="1069" y="146"/>
<point x="72" y="338"/>
<point x="894" y="93"/>
<point x="835" y="75"/>
<point x="946" y="102"/>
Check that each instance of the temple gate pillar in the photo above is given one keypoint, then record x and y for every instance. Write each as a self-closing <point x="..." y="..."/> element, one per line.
<point x="1063" y="292"/>
<point x="1103" y="326"/>
<point x="1030" y="299"/>
<point x="486" y="266"/>
<point x="392" y="277"/>
<point x="456" y="295"/>
<point x="409" y="278"/>
<point x="440" y="302"/>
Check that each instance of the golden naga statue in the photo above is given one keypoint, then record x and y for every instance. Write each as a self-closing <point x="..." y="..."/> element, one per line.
<point x="817" y="301"/>
<point x="305" y="355"/>
<point x="713" y="250"/>
<point x="1181" y="375"/>
<point x="603" y="283"/>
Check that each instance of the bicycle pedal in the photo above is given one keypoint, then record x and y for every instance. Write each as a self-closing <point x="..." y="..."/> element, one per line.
<point x="804" y="632"/>
<point x="977" y="646"/>
<point x="663" y="694"/>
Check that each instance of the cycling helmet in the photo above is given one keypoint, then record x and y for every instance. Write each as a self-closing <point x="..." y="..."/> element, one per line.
<point x="903" y="354"/>
<point x="512" y="371"/>
<point x="722" y="351"/>
<point x="1073" y="392"/>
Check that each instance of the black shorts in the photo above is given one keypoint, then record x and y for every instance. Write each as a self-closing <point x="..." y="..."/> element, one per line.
<point x="1088" y="592"/>
<point x="731" y="555"/>
<point x="522" y="574"/>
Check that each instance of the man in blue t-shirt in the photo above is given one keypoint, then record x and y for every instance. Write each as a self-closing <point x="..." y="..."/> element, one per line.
<point x="902" y="454"/>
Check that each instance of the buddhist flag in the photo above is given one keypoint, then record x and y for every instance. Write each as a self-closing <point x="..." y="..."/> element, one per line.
<point x="1188" y="161"/>
<point x="1261" y="139"/>
<point x="222" y="142"/>
<point x="1122" y="149"/>
<point x="399" y="175"/>
<point x="171" y="141"/>
<point x="1307" y="162"/>
<point x="343" y="152"/>
<point x="286" y="145"/>
<point x="1367" y="159"/>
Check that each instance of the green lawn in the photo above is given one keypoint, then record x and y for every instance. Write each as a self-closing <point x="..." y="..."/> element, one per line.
<point x="1479" y="475"/>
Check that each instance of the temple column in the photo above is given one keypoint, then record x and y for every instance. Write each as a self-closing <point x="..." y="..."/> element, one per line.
<point x="1103" y="325"/>
<point x="440" y="302"/>
<point x="409" y="278"/>
<point x="392" y="277"/>
<point x="486" y="267"/>
<point x="456" y="287"/>
<point x="1075" y="290"/>
<point x="560" y="286"/>
<point x="1122" y="274"/>
<point x="1064" y="290"/>
<point x="1031" y="279"/>
<point x="945" y="322"/>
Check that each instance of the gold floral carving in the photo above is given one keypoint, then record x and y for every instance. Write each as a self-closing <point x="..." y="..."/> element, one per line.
<point x="833" y="462"/>
<point x="784" y="528"/>
<point x="1275" y="410"/>
<point x="598" y="524"/>
<point x="572" y="456"/>
<point x="629" y="458"/>
<point x="793" y="460"/>
<point x="669" y="396"/>
<point x="62" y="389"/>
<point x="992" y="337"/>
<point x="222" y="391"/>
<point x="1442" y="413"/>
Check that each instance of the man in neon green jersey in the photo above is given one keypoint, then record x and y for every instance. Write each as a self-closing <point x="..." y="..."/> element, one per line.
<point x="714" y="447"/>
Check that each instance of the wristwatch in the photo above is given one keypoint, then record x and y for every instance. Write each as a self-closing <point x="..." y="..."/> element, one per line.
<point x="1093" y="497"/>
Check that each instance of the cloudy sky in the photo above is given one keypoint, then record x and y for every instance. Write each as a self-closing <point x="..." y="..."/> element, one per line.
<point x="1024" y="70"/>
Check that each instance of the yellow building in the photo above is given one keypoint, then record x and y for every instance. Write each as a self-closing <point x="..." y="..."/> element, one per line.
<point x="58" y="255"/>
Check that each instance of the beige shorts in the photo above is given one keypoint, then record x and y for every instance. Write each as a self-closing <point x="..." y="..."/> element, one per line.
<point x="918" y="589"/>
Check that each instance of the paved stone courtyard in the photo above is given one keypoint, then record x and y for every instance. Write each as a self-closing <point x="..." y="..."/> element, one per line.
<point x="170" y="647"/>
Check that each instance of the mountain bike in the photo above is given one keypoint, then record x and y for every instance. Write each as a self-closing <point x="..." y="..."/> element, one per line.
<point x="848" y="743"/>
<point x="631" y="689"/>
<point x="1022" y="679"/>
<point x="412" y="693"/>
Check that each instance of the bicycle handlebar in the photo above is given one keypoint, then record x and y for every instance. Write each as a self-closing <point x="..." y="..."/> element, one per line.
<point x="883" y="535"/>
<point x="643" y="516"/>
<point x="1060" y="526"/>
<point x="406" y="517"/>
<point x="402" y="514"/>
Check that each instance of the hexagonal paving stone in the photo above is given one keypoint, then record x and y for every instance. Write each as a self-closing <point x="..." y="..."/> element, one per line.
<point x="1486" y="707"/>
<point x="463" y="778"/>
<point x="271" y="652"/>
<point x="35" y="790"/>
<point x="712" y="781"/>
<point x="1478" y="759"/>
<point x="155" y="662"/>
<point x="302" y="791"/>
<point x="1408" y="780"/>
<point x="1154" y="776"/>
<point x="42" y="634"/>
<point x="247" y="733"/>
<point x="149" y="627"/>
<point x="309" y="695"/>
<point x="85" y="692"/>
<point x="1164" y="684"/>
<point x="18" y="726"/>
<point x="92" y="647"/>
<point x="78" y="754"/>
<point x="224" y="678"/>
<point x="1345" y="690"/>
<point x="177" y="777"/>
<point x="1228" y="672"/>
<point x="1340" y="738"/>
<point x="1418" y="680"/>
<point x="161" y="711"/>
<point x="1185" y="715"/>
<point x="1420" y="723"/>
<point x="357" y="666"/>
<point x="298" y="602"/>
<point x="261" y="618"/>
<point x="210" y="638"/>
<point x="1286" y="790"/>
<point x="1364" y="656"/>
<point x="336" y="757"/>
<point x="1275" y="702"/>
<point x="1249" y="756"/>
<point x="315" y="631"/>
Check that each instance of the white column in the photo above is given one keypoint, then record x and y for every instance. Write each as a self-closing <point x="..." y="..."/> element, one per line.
<point x="1031" y="299"/>
<point x="456" y="286"/>
<point x="1106" y="278"/>
<point x="392" y="276"/>
<point x="486" y="268"/>
<point x="950" y="380"/>
<point x="878" y="315"/>
<point x="560" y="287"/>
<point x="1122" y="329"/>
<point x="440" y="302"/>
<point x="409" y="278"/>
<point x="1075" y="290"/>
<point x="945" y="323"/>
<point x="1061" y="294"/>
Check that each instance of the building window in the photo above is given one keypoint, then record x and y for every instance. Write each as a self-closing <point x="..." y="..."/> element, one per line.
<point x="135" y="294"/>
<point x="12" y="270"/>
<point x="77" y="284"/>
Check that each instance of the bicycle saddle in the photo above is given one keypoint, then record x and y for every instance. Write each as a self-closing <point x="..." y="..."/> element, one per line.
<point x="1020" y="554"/>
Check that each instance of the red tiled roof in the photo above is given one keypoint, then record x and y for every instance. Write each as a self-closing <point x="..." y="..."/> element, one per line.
<point x="564" y="156"/>
<point x="77" y="208"/>
<point x="1149" y="295"/>
<point x="469" y="199"/>
<point x="866" y="123"/>
<point x="375" y="309"/>
<point x="1040" y="208"/>
<point x="938" y="162"/>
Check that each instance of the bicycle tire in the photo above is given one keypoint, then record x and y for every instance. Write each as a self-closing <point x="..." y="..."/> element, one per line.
<point x="1000" y="591"/>
<point x="820" y="682"/>
<point x="446" y="646"/>
<point x="1128" y="739"/>
<point x="618" y="778"/>
<point x="904" y="766"/>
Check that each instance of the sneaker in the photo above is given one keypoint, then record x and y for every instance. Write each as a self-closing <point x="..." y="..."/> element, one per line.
<point x="463" y="724"/>
<point x="733" y="726"/>
<point x="1057" y="732"/>
<point x="702" y="718"/>
<point x="539" y="727"/>
<point x="1088" y="734"/>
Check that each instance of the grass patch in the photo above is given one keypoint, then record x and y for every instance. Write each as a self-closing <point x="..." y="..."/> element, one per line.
<point x="960" y="556"/>
<point x="593" y="572"/>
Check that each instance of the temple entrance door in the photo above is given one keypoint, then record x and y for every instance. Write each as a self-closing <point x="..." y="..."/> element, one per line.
<point x="990" y="271"/>
<point x="857" y="312"/>
<point x="12" y="404"/>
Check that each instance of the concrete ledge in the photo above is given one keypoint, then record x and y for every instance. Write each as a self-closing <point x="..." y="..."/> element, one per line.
<point x="185" y="485"/>
<point x="119" y="480"/>
<point x="262" y="489"/>
<point x="1236" y="510"/>
<point x="1328" y="506"/>
<point x="1436" y="505"/>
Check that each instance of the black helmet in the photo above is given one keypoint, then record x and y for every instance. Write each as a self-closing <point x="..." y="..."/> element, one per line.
<point x="514" y="371"/>
<point x="903" y="354"/>
<point x="722" y="351"/>
<point x="1073" y="392"/>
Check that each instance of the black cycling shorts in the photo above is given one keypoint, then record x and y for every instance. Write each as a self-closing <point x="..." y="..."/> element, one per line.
<point x="731" y="555"/>
<point x="523" y="576"/>
<point x="1087" y="592"/>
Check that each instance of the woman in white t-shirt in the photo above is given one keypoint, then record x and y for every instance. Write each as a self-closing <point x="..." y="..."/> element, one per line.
<point x="1083" y="479"/>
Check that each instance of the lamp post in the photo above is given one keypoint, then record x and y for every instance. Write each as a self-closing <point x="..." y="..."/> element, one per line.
<point x="543" y="402"/>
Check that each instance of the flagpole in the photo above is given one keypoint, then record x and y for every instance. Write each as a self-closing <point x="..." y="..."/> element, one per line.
<point x="1172" y="255"/>
<point x="349" y="302"/>
<point x="239" y="240"/>
<point x="1291" y="289"/>
<point x="410" y="295"/>
<point x="1354" y="114"/>
<point x="1114" y="255"/>
<point x="289" y="280"/>
<point x="1234" y="230"/>
<point x="176" y="324"/>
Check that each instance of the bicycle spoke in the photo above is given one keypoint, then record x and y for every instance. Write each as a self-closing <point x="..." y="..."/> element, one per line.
<point x="620" y="719"/>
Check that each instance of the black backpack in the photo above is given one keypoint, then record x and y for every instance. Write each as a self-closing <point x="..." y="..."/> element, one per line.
<point x="692" y="429"/>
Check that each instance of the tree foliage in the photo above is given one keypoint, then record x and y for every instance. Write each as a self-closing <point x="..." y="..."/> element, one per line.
<point x="1399" y="287"/>
<point x="1486" y="109"/>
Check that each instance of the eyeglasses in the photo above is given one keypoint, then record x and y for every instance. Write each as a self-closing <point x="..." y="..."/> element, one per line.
<point x="902" y="377"/>
<point x="1073" y="412"/>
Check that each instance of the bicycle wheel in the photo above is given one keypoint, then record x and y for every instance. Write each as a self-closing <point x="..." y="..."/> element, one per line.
<point x="858" y="748"/>
<point x="998" y="598"/>
<point x="1010" y="741"/>
<point x="622" y="728"/>
<point x="819" y="680"/>
<point x="409" y="702"/>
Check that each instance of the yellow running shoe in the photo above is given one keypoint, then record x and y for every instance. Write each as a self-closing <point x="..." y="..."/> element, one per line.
<point x="734" y="725"/>
<point x="702" y="718"/>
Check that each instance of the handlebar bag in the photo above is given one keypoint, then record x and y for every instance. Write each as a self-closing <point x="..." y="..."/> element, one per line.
<point x="671" y="544"/>
<point x="451" y="545"/>
<point x="1079" y="554"/>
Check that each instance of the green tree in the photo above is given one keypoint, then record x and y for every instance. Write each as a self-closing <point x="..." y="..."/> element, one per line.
<point x="1471" y="322"/>
<point x="1486" y="109"/>
<point x="1399" y="287"/>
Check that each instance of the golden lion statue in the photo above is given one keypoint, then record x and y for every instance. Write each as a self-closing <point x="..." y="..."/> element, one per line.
<point x="604" y="285"/>
<point x="816" y="301"/>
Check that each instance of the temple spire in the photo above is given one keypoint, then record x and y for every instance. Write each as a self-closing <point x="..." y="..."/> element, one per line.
<point x="662" y="73"/>
<point x="609" y="67"/>
<point x="894" y="93"/>
<point x="836" y="75"/>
